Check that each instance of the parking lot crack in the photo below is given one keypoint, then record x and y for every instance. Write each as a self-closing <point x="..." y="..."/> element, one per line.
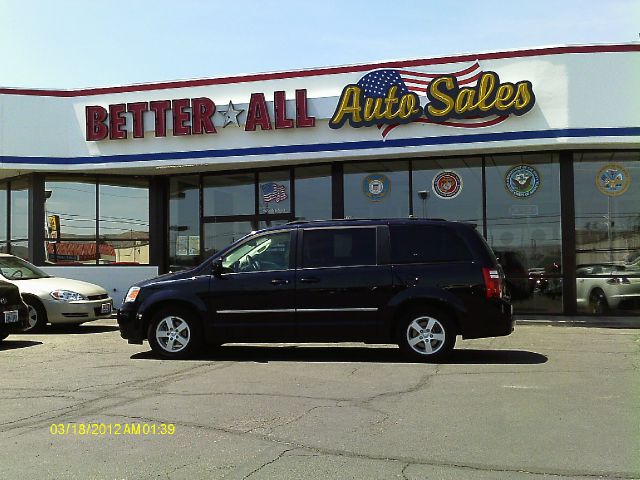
<point x="270" y="462"/>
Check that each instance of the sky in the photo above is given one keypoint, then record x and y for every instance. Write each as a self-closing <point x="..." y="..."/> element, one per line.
<point x="70" y="44"/>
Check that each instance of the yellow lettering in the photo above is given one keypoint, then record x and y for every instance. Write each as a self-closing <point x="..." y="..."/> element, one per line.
<point x="436" y="94"/>
<point x="486" y="85"/>
<point x="408" y="107"/>
<point x="504" y="96"/>
<point x="373" y="109"/>
<point x="349" y="105"/>
<point x="390" y="101"/>
<point x="464" y="101"/>
<point x="523" y="96"/>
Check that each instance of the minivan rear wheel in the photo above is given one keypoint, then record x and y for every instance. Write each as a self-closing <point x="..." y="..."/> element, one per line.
<point x="175" y="333"/>
<point x="426" y="335"/>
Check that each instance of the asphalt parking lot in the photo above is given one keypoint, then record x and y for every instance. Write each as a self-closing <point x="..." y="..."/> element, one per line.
<point x="545" y="402"/>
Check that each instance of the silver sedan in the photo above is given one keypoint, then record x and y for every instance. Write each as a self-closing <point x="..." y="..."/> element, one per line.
<point x="55" y="300"/>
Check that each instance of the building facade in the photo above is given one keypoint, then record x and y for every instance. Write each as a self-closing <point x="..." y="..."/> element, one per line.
<point x="539" y="148"/>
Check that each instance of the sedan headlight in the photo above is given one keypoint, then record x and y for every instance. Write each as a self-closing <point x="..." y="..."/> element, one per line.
<point x="132" y="294"/>
<point x="67" y="296"/>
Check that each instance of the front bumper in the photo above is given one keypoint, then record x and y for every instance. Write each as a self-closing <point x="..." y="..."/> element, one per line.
<point x="78" y="312"/>
<point x="131" y="325"/>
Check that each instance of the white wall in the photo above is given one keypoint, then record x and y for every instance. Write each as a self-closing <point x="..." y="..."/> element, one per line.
<point x="115" y="280"/>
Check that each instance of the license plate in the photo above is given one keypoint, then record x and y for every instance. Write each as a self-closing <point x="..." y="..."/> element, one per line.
<point x="105" y="308"/>
<point x="11" y="316"/>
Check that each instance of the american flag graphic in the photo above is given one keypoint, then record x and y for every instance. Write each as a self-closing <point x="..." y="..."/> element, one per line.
<point x="274" y="192"/>
<point x="376" y="84"/>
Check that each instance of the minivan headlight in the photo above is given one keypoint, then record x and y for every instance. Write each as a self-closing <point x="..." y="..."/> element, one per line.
<point x="67" y="296"/>
<point x="132" y="294"/>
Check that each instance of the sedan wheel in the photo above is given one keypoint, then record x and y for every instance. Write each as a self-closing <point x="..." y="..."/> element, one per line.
<point x="426" y="336"/>
<point x="174" y="334"/>
<point x="37" y="316"/>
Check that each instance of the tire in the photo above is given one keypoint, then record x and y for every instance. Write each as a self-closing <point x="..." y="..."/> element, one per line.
<point x="37" y="315"/>
<point x="598" y="302"/>
<point x="426" y="335"/>
<point x="175" y="333"/>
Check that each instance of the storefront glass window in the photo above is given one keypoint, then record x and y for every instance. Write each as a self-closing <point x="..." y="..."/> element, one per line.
<point x="124" y="221"/>
<point x="218" y="235"/>
<point x="19" y="245"/>
<point x="376" y="189"/>
<point x="70" y="216"/>
<point x="274" y="192"/>
<point x="607" y="232"/>
<point x="3" y="215"/>
<point x="70" y="209"/>
<point x="449" y="188"/>
<point x="184" y="222"/>
<point x="313" y="193"/>
<point x="229" y="194"/>
<point x="524" y="228"/>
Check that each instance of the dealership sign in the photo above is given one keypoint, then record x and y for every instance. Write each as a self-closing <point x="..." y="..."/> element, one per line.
<point x="468" y="98"/>
<point x="192" y="116"/>
<point x="386" y="98"/>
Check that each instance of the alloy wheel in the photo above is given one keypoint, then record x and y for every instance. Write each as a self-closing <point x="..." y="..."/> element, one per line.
<point x="173" y="334"/>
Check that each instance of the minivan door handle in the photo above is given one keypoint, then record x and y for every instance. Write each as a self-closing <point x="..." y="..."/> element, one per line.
<point x="309" y="280"/>
<point x="279" y="281"/>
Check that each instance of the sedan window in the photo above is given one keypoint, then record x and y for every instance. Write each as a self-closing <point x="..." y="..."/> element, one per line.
<point x="14" y="268"/>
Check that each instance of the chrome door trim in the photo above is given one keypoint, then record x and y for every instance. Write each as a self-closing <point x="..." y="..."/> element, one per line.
<point x="302" y="310"/>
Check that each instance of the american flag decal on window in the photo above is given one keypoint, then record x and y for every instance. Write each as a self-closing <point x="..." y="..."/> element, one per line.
<point x="273" y="192"/>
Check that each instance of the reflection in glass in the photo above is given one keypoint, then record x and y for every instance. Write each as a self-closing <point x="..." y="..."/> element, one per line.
<point x="64" y="252"/>
<point x="19" y="214"/>
<point x="465" y="206"/>
<point x="74" y="204"/>
<point x="232" y="194"/>
<point x="313" y="193"/>
<point x="607" y="232"/>
<point x="274" y="192"/>
<point x="524" y="228"/>
<point x="219" y="235"/>
<point x="376" y="189"/>
<point x="20" y="248"/>
<point x="184" y="222"/>
<point x="3" y="213"/>
<point x="131" y="252"/>
<point x="124" y="210"/>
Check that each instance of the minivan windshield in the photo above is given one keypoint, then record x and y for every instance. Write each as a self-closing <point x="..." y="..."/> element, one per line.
<point x="14" y="268"/>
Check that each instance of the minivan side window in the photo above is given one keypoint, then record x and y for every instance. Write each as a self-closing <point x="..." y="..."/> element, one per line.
<point x="340" y="247"/>
<point x="426" y="244"/>
<point x="259" y="254"/>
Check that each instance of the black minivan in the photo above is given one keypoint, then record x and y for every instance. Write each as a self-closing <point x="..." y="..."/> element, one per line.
<point x="416" y="283"/>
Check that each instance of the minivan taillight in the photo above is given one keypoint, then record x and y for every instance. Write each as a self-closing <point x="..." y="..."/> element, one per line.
<point x="492" y="282"/>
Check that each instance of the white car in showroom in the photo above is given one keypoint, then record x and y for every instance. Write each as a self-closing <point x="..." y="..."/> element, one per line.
<point x="52" y="299"/>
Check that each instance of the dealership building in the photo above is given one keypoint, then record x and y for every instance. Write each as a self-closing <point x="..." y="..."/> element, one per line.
<point x="539" y="148"/>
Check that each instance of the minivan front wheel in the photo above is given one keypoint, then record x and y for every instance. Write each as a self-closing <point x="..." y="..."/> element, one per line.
<point x="426" y="335"/>
<point x="174" y="334"/>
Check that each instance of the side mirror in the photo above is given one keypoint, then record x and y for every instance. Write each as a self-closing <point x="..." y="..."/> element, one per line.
<point x="216" y="268"/>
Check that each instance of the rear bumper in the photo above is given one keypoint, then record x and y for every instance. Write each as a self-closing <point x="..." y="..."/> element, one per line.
<point x="131" y="326"/>
<point x="14" y="327"/>
<point x="496" y="321"/>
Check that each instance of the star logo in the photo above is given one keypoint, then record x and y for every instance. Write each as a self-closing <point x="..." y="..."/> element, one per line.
<point x="230" y="115"/>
